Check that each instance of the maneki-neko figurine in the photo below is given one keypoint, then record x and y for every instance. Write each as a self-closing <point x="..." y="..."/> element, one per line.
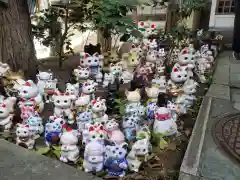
<point x="178" y="76"/>
<point x="94" y="62"/>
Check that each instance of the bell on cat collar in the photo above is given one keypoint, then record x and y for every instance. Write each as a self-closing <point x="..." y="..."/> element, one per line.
<point x="175" y="91"/>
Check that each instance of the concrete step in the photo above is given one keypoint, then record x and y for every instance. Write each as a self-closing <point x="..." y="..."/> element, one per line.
<point x="18" y="163"/>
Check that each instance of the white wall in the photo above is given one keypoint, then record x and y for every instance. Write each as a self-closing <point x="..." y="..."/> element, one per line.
<point x="220" y="21"/>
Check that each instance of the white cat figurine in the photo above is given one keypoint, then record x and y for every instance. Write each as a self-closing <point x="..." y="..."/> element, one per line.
<point x="69" y="149"/>
<point x="24" y="137"/>
<point x="164" y="123"/>
<point x="30" y="90"/>
<point x="6" y="110"/>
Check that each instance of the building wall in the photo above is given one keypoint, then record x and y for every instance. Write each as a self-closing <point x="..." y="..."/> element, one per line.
<point x="220" y="21"/>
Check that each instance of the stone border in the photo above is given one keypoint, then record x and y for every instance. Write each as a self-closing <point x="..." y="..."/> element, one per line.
<point x="18" y="163"/>
<point x="192" y="155"/>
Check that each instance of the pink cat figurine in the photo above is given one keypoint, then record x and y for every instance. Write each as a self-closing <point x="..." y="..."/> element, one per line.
<point x="113" y="132"/>
<point x="26" y="111"/>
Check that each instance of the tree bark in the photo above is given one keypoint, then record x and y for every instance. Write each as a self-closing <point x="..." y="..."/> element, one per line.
<point x="16" y="40"/>
<point x="105" y="41"/>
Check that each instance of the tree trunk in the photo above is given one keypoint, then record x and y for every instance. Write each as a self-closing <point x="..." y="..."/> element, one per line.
<point x="105" y="41"/>
<point x="16" y="40"/>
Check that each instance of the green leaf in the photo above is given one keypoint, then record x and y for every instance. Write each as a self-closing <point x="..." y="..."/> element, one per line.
<point x="57" y="153"/>
<point x="43" y="150"/>
<point x="163" y="143"/>
<point x="56" y="148"/>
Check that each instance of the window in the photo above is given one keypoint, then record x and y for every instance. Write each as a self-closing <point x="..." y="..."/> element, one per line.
<point x="225" y="7"/>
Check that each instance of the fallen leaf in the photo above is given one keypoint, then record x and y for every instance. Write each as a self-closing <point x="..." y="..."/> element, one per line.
<point x="163" y="144"/>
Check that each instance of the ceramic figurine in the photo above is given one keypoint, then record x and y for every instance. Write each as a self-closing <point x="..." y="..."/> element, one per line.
<point x="35" y="125"/>
<point x="116" y="69"/>
<point x="93" y="62"/>
<point x="141" y="148"/>
<point x="206" y="54"/>
<point x="83" y="118"/>
<point x="160" y="83"/>
<point x="126" y="77"/>
<point x="108" y="77"/>
<point x="99" y="77"/>
<point x="186" y="58"/>
<point x="53" y="131"/>
<point x="173" y="107"/>
<point x="152" y="93"/>
<point x="26" y="111"/>
<point x="114" y="133"/>
<point x="188" y="98"/>
<point x="132" y="108"/>
<point x="178" y="76"/>
<point x="62" y="104"/>
<point x="135" y="109"/>
<point x="49" y="89"/>
<point x="72" y="89"/>
<point x="24" y="136"/>
<point x="147" y="28"/>
<point x="81" y="74"/>
<point x="116" y="162"/>
<point x="130" y="60"/>
<point x="60" y="120"/>
<point x="112" y="96"/>
<point x="143" y="71"/>
<point x="151" y="107"/>
<point x="161" y="56"/>
<point x="93" y="157"/>
<point x="201" y="69"/>
<point x="99" y="108"/>
<point x="4" y="67"/>
<point x="88" y="89"/>
<point x="164" y="123"/>
<point x="133" y="96"/>
<point x="6" y="112"/>
<point x="174" y="54"/>
<point x="82" y="102"/>
<point x="144" y="133"/>
<point x="151" y="58"/>
<point x="159" y="70"/>
<point x="129" y="128"/>
<point x="44" y="76"/>
<point x="69" y="149"/>
<point x="95" y="132"/>
<point x="42" y="79"/>
<point x="30" y="90"/>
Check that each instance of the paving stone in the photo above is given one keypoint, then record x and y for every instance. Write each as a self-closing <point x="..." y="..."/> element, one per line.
<point x="235" y="94"/>
<point x="21" y="164"/>
<point x="219" y="91"/>
<point x="234" y="68"/>
<point x="223" y="59"/>
<point x="236" y="105"/>
<point x="214" y="163"/>
<point x="184" y="176"/>
<point x="235" y="80"/>
<point x="221" y="74"/>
